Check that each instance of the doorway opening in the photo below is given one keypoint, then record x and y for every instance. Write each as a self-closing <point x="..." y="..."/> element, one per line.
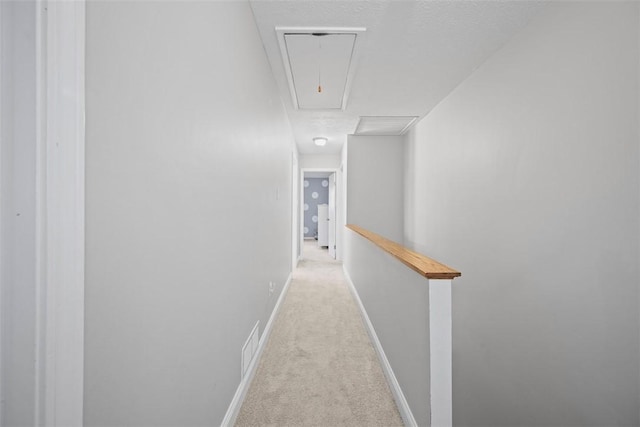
<point x="318" y="210"/>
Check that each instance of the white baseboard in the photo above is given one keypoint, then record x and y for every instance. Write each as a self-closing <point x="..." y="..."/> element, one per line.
<point x="236" y="403"/>
<point x="401" y="401"/>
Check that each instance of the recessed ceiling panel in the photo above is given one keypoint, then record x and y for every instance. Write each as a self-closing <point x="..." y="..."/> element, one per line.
<point x="410" y="58"/>
<point x="384" y="125"/>
<point x="319" y="64"/>
<point x="319" y="67"/>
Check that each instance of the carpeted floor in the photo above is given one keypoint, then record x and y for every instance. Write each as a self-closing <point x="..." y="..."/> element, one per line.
<point x="319" y="367"/>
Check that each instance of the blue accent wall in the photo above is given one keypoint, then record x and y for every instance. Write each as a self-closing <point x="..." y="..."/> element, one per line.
<point x="318" y="187"/>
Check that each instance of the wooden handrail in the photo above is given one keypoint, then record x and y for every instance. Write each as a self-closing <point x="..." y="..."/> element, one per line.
<point x="423" y="265"/>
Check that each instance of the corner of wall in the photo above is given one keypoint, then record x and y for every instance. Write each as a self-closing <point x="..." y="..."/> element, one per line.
<point x="375" y="184"/>
<point x="408" y="188"/>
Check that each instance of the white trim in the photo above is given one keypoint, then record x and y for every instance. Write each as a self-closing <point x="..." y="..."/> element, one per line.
<point x="40" y="219"/>
<point x="64" y="227"/>
<point x="2" y="201"/>
<point x="295" y="202"/>
<point x="241" y="392"/>
<point x="440" y="344"/>
<point x="398" y="395"/>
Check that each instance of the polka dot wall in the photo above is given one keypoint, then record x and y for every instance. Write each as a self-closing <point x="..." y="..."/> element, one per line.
<point x="316" y="192"/>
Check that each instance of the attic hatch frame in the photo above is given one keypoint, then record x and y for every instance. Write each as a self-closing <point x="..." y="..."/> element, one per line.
<point x="358" y="32"/>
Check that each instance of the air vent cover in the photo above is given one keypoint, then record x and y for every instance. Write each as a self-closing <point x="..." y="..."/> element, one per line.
<point x="384" y="125"/>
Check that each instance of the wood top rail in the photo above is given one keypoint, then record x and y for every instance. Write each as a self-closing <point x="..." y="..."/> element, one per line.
<point x="423" y="265"/>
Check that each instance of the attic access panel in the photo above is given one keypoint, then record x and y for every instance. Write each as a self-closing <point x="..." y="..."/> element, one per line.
<point x="319" y="63"/>
<point x="384" y="125"/>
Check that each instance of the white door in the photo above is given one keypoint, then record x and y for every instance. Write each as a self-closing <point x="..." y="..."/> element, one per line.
<point x="332" y="216"/>
<point x="323" y="223"/>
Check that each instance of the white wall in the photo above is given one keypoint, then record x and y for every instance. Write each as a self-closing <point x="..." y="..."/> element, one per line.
<point x="18" y="214"/>
<point x="187" y="141"/>
<point x="375" y="184"/>
<point x="320" y="161"/>
<point x="526" y="179"/>
<point x="396" y="299"/>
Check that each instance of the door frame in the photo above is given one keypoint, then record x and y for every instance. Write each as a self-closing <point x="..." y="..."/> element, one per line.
<point x="296" y="249"/>
<point x="60" y="212"/>
<point x="337" y="208"/>
<point x="333" y="179"/>
<point x="63" y="229"/>
<point x="58" y="301"/>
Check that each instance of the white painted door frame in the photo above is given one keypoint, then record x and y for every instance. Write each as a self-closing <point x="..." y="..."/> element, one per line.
<point x="64" y="212"/>
<point x="2" y="198"/>
<point x="60" y="180"/>
<point x="333" y="215"/>
<point x="295" y="214"/>
<point x="301" y="204"/>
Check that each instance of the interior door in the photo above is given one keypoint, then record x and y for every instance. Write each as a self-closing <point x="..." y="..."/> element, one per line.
<point x="332" y="216"/>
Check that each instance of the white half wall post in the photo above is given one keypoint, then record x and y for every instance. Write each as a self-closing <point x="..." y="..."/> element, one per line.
<point x="441" y="353"/>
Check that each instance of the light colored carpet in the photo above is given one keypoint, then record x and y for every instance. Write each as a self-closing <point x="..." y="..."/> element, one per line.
<point x="319" y="367"/>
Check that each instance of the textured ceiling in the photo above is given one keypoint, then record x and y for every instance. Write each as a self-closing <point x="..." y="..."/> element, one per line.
<point x="414" y="54"/>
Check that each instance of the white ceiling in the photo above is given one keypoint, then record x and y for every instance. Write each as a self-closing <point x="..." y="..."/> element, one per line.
<point x="413" y="55"/>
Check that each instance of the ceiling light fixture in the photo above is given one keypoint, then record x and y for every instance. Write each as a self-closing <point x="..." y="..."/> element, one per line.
<point x="320" y="141"/>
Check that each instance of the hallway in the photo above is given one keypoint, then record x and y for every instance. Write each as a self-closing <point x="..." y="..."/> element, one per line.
<point x="319" y="367"/>
<point x="153" y="157"/>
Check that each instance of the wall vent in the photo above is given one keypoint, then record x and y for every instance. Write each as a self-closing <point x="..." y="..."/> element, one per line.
<point x="249" y="348"/>
<point x="384" y="125"/>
